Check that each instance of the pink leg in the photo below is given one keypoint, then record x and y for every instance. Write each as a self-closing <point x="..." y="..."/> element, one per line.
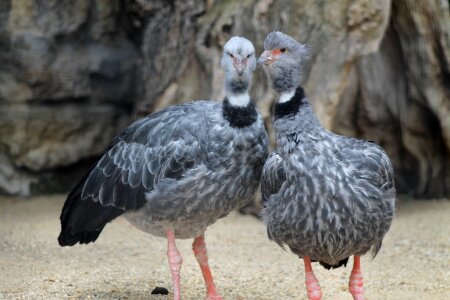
<point x="201" y="255"/>
<point x="175" y="261"/>
<point x="312" y="284"/>
<point x="356" y="281"/>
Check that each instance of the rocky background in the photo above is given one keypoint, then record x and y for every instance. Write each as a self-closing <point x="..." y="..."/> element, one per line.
<point x="74" y="73"/>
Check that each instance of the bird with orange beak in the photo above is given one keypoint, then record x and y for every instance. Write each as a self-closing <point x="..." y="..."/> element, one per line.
<point x="327" y="197"/>
<point x="283" y="64"/>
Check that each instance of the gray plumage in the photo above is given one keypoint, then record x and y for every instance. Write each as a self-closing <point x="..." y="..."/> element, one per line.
<point x="181" y="168"/>
<point x="325" y="196"/>
<point x="194" y="168"/>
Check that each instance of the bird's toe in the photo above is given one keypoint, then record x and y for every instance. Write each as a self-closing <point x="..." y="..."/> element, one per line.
<point x="214" y="297"/>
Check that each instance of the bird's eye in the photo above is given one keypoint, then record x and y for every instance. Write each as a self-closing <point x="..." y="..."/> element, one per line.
<point x="248" y="56"/>
<point x="231" y="55"/>
<point x="282" y="50"/>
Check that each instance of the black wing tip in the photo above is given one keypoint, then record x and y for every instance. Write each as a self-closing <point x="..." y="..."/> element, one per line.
<point x="67" y="238"/>
<point x="82" y="220"/>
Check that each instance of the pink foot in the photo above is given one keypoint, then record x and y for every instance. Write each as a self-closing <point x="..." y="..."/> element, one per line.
<point x="175" y="261"/>
<point x="313" y="287"/>
<point x="356" y="280"/>
<point x="312" y="284"/>
<point x="201" y="255"/>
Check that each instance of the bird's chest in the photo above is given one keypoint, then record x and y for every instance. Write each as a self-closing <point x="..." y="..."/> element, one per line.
<point x="237" y="148"/>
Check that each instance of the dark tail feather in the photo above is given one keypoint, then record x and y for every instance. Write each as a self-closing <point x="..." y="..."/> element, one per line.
<point x="339" y="264"/>
<point x="82" y="221"/>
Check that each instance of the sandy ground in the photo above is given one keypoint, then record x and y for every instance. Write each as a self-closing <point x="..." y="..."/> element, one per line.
<point x="127" y="264"/>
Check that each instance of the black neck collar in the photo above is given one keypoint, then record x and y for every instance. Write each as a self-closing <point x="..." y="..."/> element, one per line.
<point x="239" y="116"/>
<point x="292" y="106"/>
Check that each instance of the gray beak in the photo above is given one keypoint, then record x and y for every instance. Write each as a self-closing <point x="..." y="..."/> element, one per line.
<point x="266" y="58"/>
<point x="240" y="67"/>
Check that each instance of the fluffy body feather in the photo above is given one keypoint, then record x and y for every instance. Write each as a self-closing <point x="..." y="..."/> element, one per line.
<point x="181" y="168"/>
<point x="325" y="196"/>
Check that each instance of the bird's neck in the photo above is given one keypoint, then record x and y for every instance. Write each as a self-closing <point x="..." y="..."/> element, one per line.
<point x="286" y="80"/>
<point x="294" y="116"/>
<point x="239" y="110"/>
<point x="239" y="100"/>
<point x="237" y="89"/>
<point x="286" y="96"/>
<point x="290" y="102"/>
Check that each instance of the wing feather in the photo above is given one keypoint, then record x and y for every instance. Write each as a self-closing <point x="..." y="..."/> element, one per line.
<point x="145" y="153"/>
<point x="371" y="163"/>
<point x="162" y="145"/>
<point x="272" y="178"/>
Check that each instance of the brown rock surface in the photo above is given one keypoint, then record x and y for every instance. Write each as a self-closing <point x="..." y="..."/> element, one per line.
<point x="67" y="85"/>
<point x="378" y="70"/>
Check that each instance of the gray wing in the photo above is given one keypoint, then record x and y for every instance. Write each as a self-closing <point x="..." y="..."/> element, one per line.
<point x="374" y="181"/>
<point x="163" y="145"/>
<point x="272" y="178"/>
<point x="372" y="165"/>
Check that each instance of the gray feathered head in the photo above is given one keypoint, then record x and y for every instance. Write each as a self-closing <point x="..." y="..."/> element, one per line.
<point x="239" y="62"/>
<point x="283" y="60"/>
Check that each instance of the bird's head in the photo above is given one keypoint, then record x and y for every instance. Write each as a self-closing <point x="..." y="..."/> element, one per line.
<point x="239" y="62"/>
<point x="282" y="60"/>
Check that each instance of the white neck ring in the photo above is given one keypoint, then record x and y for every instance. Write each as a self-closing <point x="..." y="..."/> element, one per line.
<point x="239" y="99"/>
<point x="286" y="96"/>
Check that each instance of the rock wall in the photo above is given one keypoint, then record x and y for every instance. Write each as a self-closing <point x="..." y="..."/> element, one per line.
<point x="75" y="72"/>
<point x="67" y="85"/>
<point x="400" y="97"/>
